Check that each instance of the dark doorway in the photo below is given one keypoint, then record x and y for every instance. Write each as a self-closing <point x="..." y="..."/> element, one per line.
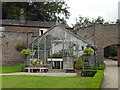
<point x="56" y="65"/>
<point x="110" y="52"/>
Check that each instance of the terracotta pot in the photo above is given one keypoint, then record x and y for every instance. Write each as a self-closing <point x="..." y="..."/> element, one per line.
<point x="78" y="72"/>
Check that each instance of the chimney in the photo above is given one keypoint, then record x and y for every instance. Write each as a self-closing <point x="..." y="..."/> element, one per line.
<point x="22" y="16"/>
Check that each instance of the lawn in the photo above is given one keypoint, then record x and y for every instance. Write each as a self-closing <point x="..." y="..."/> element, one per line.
<point x="30" y="81"/>
<point x="24" y="81"/>
<point x="10" y="69"/>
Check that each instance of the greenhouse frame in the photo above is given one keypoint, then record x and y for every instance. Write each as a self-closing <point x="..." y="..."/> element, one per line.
<point x="57" y="48"/>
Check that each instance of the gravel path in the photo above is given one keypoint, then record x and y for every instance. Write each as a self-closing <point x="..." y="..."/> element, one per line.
<point x="110" y="74"/>
<point x="41" y="74"/>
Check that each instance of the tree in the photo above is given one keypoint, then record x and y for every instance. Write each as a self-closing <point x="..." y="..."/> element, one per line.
<point x="110" y="51"/>
<point x="37" y="11"/>
<point x="83" y="22"/>
<point x="99" y="19"/>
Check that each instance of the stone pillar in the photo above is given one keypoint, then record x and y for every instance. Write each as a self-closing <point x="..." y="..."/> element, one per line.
<point x="100" y="55"/>
<point x="98" y="41"/>
<point x="118" y="54"/>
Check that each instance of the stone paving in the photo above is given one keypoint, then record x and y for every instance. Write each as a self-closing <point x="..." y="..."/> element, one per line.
<point x="41" y="74"/>
<point x="110" y="74"/>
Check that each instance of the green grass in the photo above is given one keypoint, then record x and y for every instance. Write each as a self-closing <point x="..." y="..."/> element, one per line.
<point x="10" y="69"/>
<point x="22" y="81"/>
<point x="29" y="81"/>
<point x="113" y="57"/>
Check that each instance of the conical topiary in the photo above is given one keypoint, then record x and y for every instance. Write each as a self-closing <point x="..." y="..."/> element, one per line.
<point x="79" y="64"/>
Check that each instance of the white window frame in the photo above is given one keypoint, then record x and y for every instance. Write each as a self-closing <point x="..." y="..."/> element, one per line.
<point x="44" y="30"/>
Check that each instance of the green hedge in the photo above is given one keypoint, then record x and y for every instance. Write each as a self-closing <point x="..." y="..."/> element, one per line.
<point x="99" y="67"/>
<point x="97" y="79"/>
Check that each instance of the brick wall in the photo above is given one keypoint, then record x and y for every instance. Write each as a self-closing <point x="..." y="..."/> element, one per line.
<point x="101" y="36"/>
<point x="10" y="56"/>
<point x="14" y="35"/>
<point x="35" y="30"/>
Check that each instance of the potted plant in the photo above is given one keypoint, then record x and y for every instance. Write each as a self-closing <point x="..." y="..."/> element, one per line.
<point x="79" y="66"/>
<point x="20" y="46"/>
<point x="87" y="56"/>
<point x="26" y="52"/>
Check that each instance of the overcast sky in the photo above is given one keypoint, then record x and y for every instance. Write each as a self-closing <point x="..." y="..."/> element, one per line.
<point x="108" y="9"/>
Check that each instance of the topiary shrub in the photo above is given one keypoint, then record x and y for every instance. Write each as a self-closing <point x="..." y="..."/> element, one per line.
<point x="20" y="46"/>
<point x="87" y="54"/>
<point x="88" y="51"/>
<point x="79" y="64"/>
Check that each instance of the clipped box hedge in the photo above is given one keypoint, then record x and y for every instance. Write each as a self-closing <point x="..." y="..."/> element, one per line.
<point x="97" y="79"/>
<point x="100" y="67"/>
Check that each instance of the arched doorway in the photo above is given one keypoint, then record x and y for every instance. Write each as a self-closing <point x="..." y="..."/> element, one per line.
<point x="101" y="36"/>
<point x="110" y="52"/>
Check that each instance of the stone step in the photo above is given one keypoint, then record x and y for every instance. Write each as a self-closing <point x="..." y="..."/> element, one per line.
<point x="56" y="70"/>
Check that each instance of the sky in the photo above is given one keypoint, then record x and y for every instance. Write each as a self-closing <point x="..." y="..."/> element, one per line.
<point x="108" y="9"/>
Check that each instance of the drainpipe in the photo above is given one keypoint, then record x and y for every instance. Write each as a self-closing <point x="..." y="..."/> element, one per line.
<point x="118" y="54"/>
<point x="118" y="46"/>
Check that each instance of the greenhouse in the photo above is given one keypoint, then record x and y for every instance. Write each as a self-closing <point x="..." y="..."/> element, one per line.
<point x="57" y="48"/>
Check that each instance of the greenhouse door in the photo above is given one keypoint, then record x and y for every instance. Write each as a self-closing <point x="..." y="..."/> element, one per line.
<point x="56" y="65"/>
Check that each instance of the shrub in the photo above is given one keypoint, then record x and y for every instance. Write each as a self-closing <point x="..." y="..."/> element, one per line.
<point x="102" y="66"/>
<point x="114" y="58"/>
<point x="98" y="67"/>
<point x="97" y="79"/>
<point x="79" y="64"/>
<point x="23" y="67"/>
<point x="25" y="51"/>
<point x="87" y="54"/>
<point x="88" y="51"/>
<point x="20" y="46"/>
